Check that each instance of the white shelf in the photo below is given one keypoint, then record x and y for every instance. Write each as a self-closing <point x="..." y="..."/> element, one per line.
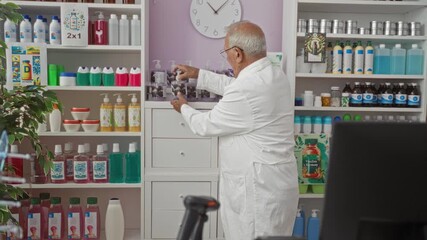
<point x="95" y="48"/>
<point x="309" y="195"/>
<point x="359" y="109"/>
<point x="361" y="76"/>
<point x="166" y="104"/>
<point x="382" y="38"/>
<point x="75" y="185"/>
<point x="93" y="88"/>
<point x="90" y="134"/>
<point x="363" y="7"/>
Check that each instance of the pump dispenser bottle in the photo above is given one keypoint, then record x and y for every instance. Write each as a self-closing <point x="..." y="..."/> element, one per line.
<point x="106" y="114"/>
<point x="313" y="226"/>
<point x="134" y="114"/>
<point x="158" y="75"/>
<point x="119" y="114"/>
<point x="299" y="225"/>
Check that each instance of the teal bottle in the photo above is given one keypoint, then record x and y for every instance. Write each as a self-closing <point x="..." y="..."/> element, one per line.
<point x="382" y="60"/>
<point x="133" y="165"/>
<point x="398" y="60"/>
<point x="415" y="61"/>
<point x="116" y="165"/>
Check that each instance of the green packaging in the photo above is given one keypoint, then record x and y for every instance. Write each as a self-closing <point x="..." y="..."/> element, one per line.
<point x="116" y="167"/>
<point x="83" y="76"/>
<point x="60" y="69"/>
<point x="95" y="76"/>
<point x="53" y="79"/>
<point x="108" y="76"/>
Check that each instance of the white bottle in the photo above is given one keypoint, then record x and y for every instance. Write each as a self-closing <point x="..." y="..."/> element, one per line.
<point x="39" y="31"/>
<point x="135" y="31"/>
<point x="359" y="55"/>
<point x="9" y="31"/>
<point x="302" y="67"/>
<point x="55" y="119"/>
<point x="55" y="31"/>
<point x="124" y="30"/>
<point x="113" y="30"/>
<point x="337" y="59"/>
<point x="369" y="59"/>
<point x="25" y="30"/>
<point x="46" y="30"/>
<point x="114" y="221"/>
<point x="347" y="59"/>
<point x="308" y="99"/>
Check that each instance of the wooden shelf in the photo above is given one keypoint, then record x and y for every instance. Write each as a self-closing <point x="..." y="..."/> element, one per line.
<point x="90" y="134"/>
<point x="375" y="38"/>
<point x="75" y="185"/>
<point x="359" y="109"/>
<point x="361" y="76"/>
<point x="94" y="88"/>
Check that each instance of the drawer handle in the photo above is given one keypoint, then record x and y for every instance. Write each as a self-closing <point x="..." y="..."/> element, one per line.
<point x="182" y="124"/>
<point x="182" y="153"/>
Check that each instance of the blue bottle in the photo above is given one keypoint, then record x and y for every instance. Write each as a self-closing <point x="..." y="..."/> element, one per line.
<point x="382" y="60"/>
<point x="415" y="61"/>
<point x="313" y="226"/>
<point x="297" y="125"/>
<point x="299" y="225"/>
<point x="398" y="60"/>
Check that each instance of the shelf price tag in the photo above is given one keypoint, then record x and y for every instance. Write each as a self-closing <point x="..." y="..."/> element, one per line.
<point x="74" y="25"/>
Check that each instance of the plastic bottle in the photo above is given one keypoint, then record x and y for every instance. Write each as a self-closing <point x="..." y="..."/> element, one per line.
<point x="317" y="125"/>
<point x="299" y="226"/>
<point x="401" y="97"/>
<point x="133" y="165"/>
<point x="124" y="30"/>
<point x="58" y="170"/>
<point x="313" y="226"/>
<point x="69" y="158"/>
<point x="45" y="204"/>
<point x="387" y="96"/>
<point x="39" y="31"/>
<point x="95" y="76"/>
<point x="100" y="166"/>
<point x="297" y="125"/>
<point x="368" y="96"/>
<point x="158" y="75"/>
<point x="327" y="125"/>
<point x="398" y="60"/>
<point x="113" y="30"/>
<point x="25" y="206"/>
<point x="306" y="127"/>
<point x="135" y="31"/>
<point x="311" y="159"/>
<point x="9" y="31"/>
<point x="414" y="97"/>
<point x="55" y="119"/>
<point x="25" y="30"/>
<point x="55" y="31"/>
<point x="81" y="166"/>
<point x="302" y="67"/>
<point x="108" y="76"/>
<point x="100" y="30"/>
<point x="56" y="222"/>
<point x="347" y="58"/>
<point x="134" y="114"/>
<point x="116" y="165"/>
<point x="375" y="96"/>
<point x="337" y="59"/>
<point x="122" y="76"/>
<point x="106" y="114"/>
<point x="356" y="99"/>
<point x="329" y="57"/>
<point x="75" y="219"/>
<point x="135" y="77"/>
<point x="35" y="223"/>
<point x="19" y="216"/>
<point x="46" y="30"/>
<point x="380" y="90"/>
<point x="382" y="60"/>
<point x="114" y="221"/>
<point x="119" y="114"/>
<point x="359" y="55"/>
<point x="16" y="163"/>
<point x="369" y="58"/>
<point x="415" y="61"/>
<point x="92" y="221"/>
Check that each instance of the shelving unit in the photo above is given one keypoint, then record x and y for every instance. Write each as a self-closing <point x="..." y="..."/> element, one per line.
<point x="359" y="109"/>
<point x="95" y="48"/>
<point x="368" y="37"/>
<point x="80" y="186"/>
<point x="93" y="88"/>
<point x="90" y="134"/>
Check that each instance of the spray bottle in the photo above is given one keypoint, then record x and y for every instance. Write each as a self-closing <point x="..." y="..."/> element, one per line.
<point x="100" y="30"/>
<point x="119" y="114"/>
<point x="134" y="114"/>
<point x="106" y="114"/>
<point x="313" y="226"/>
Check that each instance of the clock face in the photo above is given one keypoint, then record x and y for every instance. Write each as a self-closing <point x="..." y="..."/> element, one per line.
<point x="211" y="17"/>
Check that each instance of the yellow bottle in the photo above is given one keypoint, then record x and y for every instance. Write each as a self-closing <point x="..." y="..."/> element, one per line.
<point x="134" y="114"/>
<point x="119" y="114"/>
<point x="106" y="115"/>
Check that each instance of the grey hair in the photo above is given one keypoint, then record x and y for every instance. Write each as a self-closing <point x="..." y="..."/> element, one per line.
<point x="251" y="43"/>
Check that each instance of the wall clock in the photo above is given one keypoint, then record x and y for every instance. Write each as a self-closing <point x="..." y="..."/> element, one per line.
<point x="211" y="17"/>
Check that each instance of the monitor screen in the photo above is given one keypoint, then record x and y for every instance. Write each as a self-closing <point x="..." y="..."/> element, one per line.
<point x="377" y="181"/>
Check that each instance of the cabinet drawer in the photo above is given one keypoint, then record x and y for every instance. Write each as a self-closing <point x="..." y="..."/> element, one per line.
<point x="170" y="124"/>
<point x="181" y="153"/>
<point x="169" y="195"/>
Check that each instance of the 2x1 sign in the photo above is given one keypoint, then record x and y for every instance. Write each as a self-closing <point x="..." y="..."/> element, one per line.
<point x="74" y="25"/>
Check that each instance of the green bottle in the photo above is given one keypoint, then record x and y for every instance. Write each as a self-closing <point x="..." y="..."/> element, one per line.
<point x="108" y="76"/>
<point x="53" y="79"/>
<point x="116" y="165"/>
<point x="83" y="76"/>
<point x="95" y="76"/>
<point x="133" y="165"/>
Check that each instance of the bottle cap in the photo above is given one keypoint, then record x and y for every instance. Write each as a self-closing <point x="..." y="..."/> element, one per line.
<point x="105" y="147"/>
<point x="106" y="99"/>
<point x="13" y="148"/>
<point x="414" y="46"/>
<point x="135" y="70"/>
<point x="107" y="70"/>
<point x="55" y="200"/>
<point x="39" y="17"/>
<point x="327" y="120"/>
<point x="95" y="70"/>
<point x="131" y="147"/>
<point x="124" y="16"/>
<point x="346" y="117"/>
<point x="58" y="149"/>
<point x="335" y="88"/>
<point x="113" y="16"/>
<point x="26" y="16"/>
<point x="367" y="118"/>
<point x="87" y="147"/>
<point x="307" y="120"/>
<point x="379" y="118"/>
<point x="81" y="149"/>
<point x="119" y="97"/>
<point x="67" y="74"/>
<point x="299" y="212"/>
<point x="133" y="99"/>
<point x="116" y="148"/>
<point x="83" y="69"/>
<point x="44" y="196"/>
<point x="35" y="201"/>
<point x="314" y="213"/>
<point x="297" y="119"/>
<point x="135" y="17"/>
<point x="157" y="66"/>
<point x="92" y="200"/>
<point x="318" y="120"/>
<point x="357" y="118"/>
<point x="382" y="45"/>
<point x="398" y="45"/>
<point x="337" y="119"/>
<point x="68" y="147"/>
<point x="55" y="18"/>
<point x="308" y="92"/>
<point x="75" y="200"/>
<point x="122" y="70"/>
<point x="325" y="94"/>
<point x="99" y="149"/>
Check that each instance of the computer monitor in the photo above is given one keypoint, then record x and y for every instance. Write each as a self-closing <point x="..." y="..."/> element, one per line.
<point x="377" y="182"/>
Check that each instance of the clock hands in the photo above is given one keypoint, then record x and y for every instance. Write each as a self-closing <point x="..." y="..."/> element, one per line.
<point x="221" y="6"/>
<point x="215" y="12"/>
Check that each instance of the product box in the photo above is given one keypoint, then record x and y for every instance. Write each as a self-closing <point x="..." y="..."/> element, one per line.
<point x="312" y="154"/>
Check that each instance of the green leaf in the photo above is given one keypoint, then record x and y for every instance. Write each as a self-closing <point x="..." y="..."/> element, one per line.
<point x="11" y="138"/>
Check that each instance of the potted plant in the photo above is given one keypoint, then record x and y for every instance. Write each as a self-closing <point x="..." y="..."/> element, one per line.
<point x="21" y="111"/>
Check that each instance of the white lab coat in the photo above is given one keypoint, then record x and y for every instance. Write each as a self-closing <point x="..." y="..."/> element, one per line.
<point x="258" y="173"/>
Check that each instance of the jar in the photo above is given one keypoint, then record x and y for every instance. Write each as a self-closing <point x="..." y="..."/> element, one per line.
<point x="317" y="101"/>
<point x="67" y="79"/>
<point x="326" y="99"/>
<point x="335" y="96"/>
<point x="345" y="100"/>
<point x="308" y="99"/>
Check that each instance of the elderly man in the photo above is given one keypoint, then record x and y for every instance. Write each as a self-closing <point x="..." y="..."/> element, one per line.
<point x="254" y="123"/>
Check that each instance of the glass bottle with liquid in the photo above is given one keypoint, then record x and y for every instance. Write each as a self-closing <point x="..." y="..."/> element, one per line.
<point x="356" y="99"/>
<point x="92" y="221"/>
<point x="75" y="219"/>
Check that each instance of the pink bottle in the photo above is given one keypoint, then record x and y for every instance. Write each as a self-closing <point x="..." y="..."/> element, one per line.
<point x="69" y="156"/>
<point x="45" y="204"/>
<point x="100" y="166"/>
<point x="122" y="76"/>
<point x="81" y="166"/>
<point x="18" y="215"/>
<point x="16" y="163"/>
<point x="25" y="206"/>
<point x="92" y="220"/>
<point x="135" y="77"/>
<point x="35" y="222"/>
<point x="75" y="220"/>
<point x="58" y="170"/>
<point x="100" y="30"/>
<point x="56" y="223"/>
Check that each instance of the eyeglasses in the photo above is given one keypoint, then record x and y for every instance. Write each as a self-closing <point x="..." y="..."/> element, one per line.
<point x="225" y="50"/>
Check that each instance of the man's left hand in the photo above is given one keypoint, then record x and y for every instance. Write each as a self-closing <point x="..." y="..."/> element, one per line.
<point x="177" y="103"/>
